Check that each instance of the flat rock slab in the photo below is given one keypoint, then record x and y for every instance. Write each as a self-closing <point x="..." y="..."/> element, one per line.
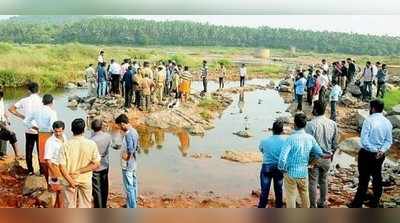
<point x="244" y="134"/>
<point x="242" y="157"/>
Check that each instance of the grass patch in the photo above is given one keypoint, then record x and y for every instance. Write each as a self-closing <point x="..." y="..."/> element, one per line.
<point x="209" y="104"/>
<point x="272" y="70"/>
<point x="392" y="99"/>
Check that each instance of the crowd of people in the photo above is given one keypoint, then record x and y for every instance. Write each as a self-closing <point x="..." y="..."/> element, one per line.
<point x="316" y="81"/>
<point x="76" y="169"/>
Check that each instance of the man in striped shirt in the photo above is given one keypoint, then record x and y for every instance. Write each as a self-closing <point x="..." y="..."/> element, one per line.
<point x="293" y="161"/>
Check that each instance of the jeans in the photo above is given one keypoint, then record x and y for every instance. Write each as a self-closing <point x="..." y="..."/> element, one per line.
<point x="147" y="101"/>
<point x="319" y="175"/>
<point x="100" y="188"/>
<point x="241" y="81"/>
<point x="3" y="147"/>
<point x="130" y="187"/>
<point x="30" y="141"/>
<point x="368" y="165"/>
<point x="204" y="84"/>
<point x="367" y="90"/>
<point x="102" y="89"/>
<point x="294" y="187"/>
<point x="267" y="174"/>
<point x="333" y="110"/>
<point x="381" y="89"/>
<point x="322" y="93"/>
<point x="299" y="102"/>
<point x="221" y="83"/>
<point x="128" y="97"/>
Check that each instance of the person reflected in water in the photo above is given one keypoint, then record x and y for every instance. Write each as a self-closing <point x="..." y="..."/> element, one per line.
<point x="146" y="141"/>
<point x="184" y="142"/>
<point x="159" y="136"/>
<point x="241" y="102"/>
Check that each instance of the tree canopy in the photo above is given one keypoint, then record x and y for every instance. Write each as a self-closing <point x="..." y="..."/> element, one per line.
<point x="103" y="30"/>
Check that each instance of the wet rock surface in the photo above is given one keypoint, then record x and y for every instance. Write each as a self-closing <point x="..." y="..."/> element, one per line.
<point x="243" y="134"/>
<point x="241" y="156"/>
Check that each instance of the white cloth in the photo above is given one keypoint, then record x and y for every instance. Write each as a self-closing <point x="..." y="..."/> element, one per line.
<point x="43" y="119"/>
<point x="324" y="80"/>
<point x="374" y="70"/>
<point x="52" y="149"/>
<point x="27" y="106"/>
<point x="368" y="74"/>
<point x="325" y="67"/>
<point x="2" y="111"/>
<point x="100" y="59"/>
<point x="243" y="71"/>
<point x="115" y="68"/>
<point x="90" y="74"/>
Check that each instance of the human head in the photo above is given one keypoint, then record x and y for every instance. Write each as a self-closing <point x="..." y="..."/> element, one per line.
<point x="123" y="122"/>
<point x="334" y="82"/>
<point x="160" y="68"/>
<point x="343" y="62"/>
<point x="349" y="60"/>
<point x="186" y="68"/>
<point x="1" y="92"/>
<point x="129" y="67"/>
<point x="384" y="66"/>
<point x="101" y="52"/>
<point x="146" y="64"/>
<point x="90" y="65"/>
<point x="96" y="125"/>
<point x="368" y="63"/>
<point x="112" y="60"/>
<point x="103" y="64"/>
<point x="319" y="108"/>
<point x="78" y="126"/>
<point x="318" y="72"/>
<point x="204" y="62"/>
<point x="243" y="65"/>
<point x="300" y="120"/>
<point x="277" y="127"/>
<point x="47" y="99"/>
<point x="58" y="128"/>
<point x="376" y="106"/>
<point x="378" y="63"/>
<point x="33" y="87"/>
<point x="323" y="61"/>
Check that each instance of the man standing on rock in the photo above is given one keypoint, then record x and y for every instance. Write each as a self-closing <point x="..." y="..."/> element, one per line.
<point x="102" y="80"/>
<point x="90" y="76"/>
<point x="52" y="158"/>
<point x="128" y="160"/>
<point x="242" y="74"/>
<point x="271" y="148"/>
<point x="78" y="158"/>
<point x="382" y="78"/>
<point x="376" y="139"/>
<point x="100" y="175"/>
<point x="204" y="75"/>
<point x="300" y="86"/>
<point x="367" y="78"/>
<point x="326" y="133"/>
<point x="336" y="92"/>
<point x="27" y="106"/>
<point x="128" y="85"/>
<point x="293" y="161"/>
<point x="351" y="71"/>
<point x="160" y="82"/>
<point x="42" y="120"/>
<point x="115" y="73"/>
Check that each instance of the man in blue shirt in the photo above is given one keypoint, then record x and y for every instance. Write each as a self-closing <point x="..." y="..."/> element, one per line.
<point x="102" y="80"/>
<point x="271" y="148"/>
<point x="300" y="86"/>
<point x="334" y="96"/>
<point x="128" y="84"/>
<point x="128" y="159"/>
<point x="311" y="81"/>
<point x="376" y="139"/>
<point x="294" y="160"/>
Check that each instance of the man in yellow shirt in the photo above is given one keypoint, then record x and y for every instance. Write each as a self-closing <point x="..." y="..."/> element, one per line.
<point x="160" y="81"/>
<point x="78" y="158"/>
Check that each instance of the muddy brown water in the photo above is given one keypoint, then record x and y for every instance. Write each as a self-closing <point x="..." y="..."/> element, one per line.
<point x="165" y="165"/>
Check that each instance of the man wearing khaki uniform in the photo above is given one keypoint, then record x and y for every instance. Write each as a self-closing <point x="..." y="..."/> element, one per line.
<point x="160" y="81"/>
<point x="78" y="158"/>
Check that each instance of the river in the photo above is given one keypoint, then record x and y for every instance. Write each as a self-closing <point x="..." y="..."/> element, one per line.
<point x="165" y="165"/>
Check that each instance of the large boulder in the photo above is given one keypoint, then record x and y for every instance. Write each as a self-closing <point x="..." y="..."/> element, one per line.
<point x="285" y="88"/>
<point x="395" y="110"/>
<point x="244" y="134"/>
<point x="395" y="120"/>
<point x="287" y="82"/>
<point x="354" y="90"/>
<point x="242" y="157"/>
<point x="33" y="184"/>
<point x="348" y="100"/>
<point x="73" y="104"/>
<point x="351" y="145"/>
<point x="196" y="129"/>
<point x="361" y="115"/>
<point x="47" y="198"/>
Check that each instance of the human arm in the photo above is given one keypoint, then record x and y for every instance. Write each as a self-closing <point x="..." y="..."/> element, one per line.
<point x="388" y="139"/>
<point x="335" y="139"/>
<point x="365" y="132"/>
<point x="283" y="156"/>
<point x="72" y="183"/>
<point x="316" y="150"/>
<point x="14" y="110"/>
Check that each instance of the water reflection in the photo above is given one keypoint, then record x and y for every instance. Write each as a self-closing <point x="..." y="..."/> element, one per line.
<point x="184" y="142"/>
<point x="241" y="102"/>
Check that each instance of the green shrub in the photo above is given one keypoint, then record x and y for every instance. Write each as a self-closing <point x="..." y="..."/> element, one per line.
<point x="392" y="98"/>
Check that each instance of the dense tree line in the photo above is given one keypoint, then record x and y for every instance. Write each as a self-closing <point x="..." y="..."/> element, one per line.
<point x="101" y="30"/>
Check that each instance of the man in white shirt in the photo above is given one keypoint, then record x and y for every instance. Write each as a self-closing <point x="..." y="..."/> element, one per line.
<point x="325" y="67"/>
<point x="367" y="79"/>
<point x="42" y="120"/>
<point x="115" y="73"/>
<point x="242" y="73"/>
<point x="100" y="58"/>
<point x="52" y="158"/>
<point x="22" y="109"/>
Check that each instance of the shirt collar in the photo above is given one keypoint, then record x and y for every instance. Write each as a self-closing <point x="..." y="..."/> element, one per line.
<point x="299" y="131"/>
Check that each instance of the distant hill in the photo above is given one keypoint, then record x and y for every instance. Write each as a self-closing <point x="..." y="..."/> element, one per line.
<point x="50" y="19"/>
<point x="105" y="30"/>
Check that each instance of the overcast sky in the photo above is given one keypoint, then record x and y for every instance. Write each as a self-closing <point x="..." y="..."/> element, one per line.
<point x="365" y="24"/>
